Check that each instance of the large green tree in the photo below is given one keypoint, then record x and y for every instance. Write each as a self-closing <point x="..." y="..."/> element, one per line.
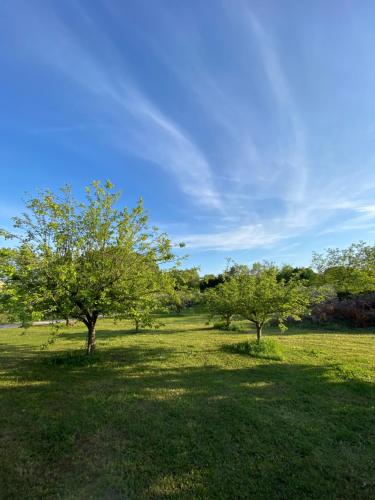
<point x="83" y="259"/>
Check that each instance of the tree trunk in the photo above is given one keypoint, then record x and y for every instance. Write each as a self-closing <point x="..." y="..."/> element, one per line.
<point x="259" y="331"/>
<point x="227" y="322"/>
<point x="90" y="321"/>
<point x="91" y="338"/>
<point x="136" y="325"/>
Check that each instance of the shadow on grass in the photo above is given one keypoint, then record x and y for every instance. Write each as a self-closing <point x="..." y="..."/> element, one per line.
<point x="266" y="349"/>
<point x="127" y="424"/>
<point x="109" y="334"/>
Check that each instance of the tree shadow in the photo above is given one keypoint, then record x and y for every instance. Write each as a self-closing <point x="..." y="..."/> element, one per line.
<point x="132" y="424"/>
<point x="109" y="334"/>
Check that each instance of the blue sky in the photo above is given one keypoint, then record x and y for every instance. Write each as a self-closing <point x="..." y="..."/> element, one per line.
<point x="247" y="127"/>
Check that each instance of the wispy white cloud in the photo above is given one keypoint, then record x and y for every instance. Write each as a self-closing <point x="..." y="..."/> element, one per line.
<point x="309" y="201"/>
<point x="252" y="164"/>
<point x="155" y="136"/>
<point x="367" y="211"/>
<point x="361" y="218"/>
<point x="251" y="195"/>
<point x="242" y="238"/>
<point x="295" y="156"/>
<point x="171" y="148"/>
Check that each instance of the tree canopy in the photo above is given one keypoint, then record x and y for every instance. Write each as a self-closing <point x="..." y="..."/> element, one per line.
<point x="185" y="288"/>
<point x="19" y="296"/>
<point x="350" y="270"/>
<point x="86" y="258"/>
<point x="306" y="274"/>
<point x="263" y="297"/>
<point x="223" y="300"/>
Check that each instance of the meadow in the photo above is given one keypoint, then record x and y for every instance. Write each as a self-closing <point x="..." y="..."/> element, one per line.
<point x="172" y="413"/>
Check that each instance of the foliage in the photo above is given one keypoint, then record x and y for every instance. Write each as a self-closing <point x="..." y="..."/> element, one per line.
<point x="56" y="330"/>
<point x="222" y="301"/>
<point x="210" y="281"/>
<point x="234" y="270"/>
<point x="306" y="274"/>
<point x="4" y="318"/>
<point x="19" y="295"/>
<point x="262" y="297"/>
<point x="351" y="270"/>
<point x="182" y="299"/>
<point x="142" y="312"/>
<point x="186" y="278"/>
<point x="232" y="327"/>
<point x="85" y="259"/>
<point x="357" y="311"/>
<point x="265" y="349"/>
<point x="185" y="291"/>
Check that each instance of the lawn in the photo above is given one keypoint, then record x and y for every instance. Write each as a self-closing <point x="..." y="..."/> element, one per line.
<point x="173" y="414"/>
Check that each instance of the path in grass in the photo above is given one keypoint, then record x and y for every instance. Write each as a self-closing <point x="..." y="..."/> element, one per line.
<point x="171" y="414"/>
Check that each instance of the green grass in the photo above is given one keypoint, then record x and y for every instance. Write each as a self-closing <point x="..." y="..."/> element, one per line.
<point x="172" y="414"/>
<point x="265" y="349"/>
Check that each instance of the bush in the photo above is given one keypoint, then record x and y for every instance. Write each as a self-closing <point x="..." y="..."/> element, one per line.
<point x="3" y="318"/>
<point x="265" y="349"/>
<point x="233" y="327"/>
<point x="72" y="359"/>
<point x="357" y="311"/>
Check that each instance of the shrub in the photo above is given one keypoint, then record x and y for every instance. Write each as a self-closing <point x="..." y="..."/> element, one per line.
<point x="72" y="359"/>
<point x="265" y="349"/>
<point x="3" y="318"/>
<point x="233" y="327"/>
<point x="357" y="311"/>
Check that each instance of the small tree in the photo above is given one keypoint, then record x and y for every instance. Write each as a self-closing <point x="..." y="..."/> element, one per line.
<point x="262" y="297"/>
<point x="85" y="259"/>
<point x="223" y="300"/>
<point x="142" y="315"/>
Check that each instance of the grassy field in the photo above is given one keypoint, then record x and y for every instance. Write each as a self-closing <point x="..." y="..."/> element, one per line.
<point x="173" y="414"/>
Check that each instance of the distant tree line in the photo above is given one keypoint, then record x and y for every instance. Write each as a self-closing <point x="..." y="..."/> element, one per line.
<point x="343" y="281"/>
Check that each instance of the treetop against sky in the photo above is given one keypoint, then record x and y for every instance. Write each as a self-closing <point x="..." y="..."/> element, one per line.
<point x="246" y="126"/>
